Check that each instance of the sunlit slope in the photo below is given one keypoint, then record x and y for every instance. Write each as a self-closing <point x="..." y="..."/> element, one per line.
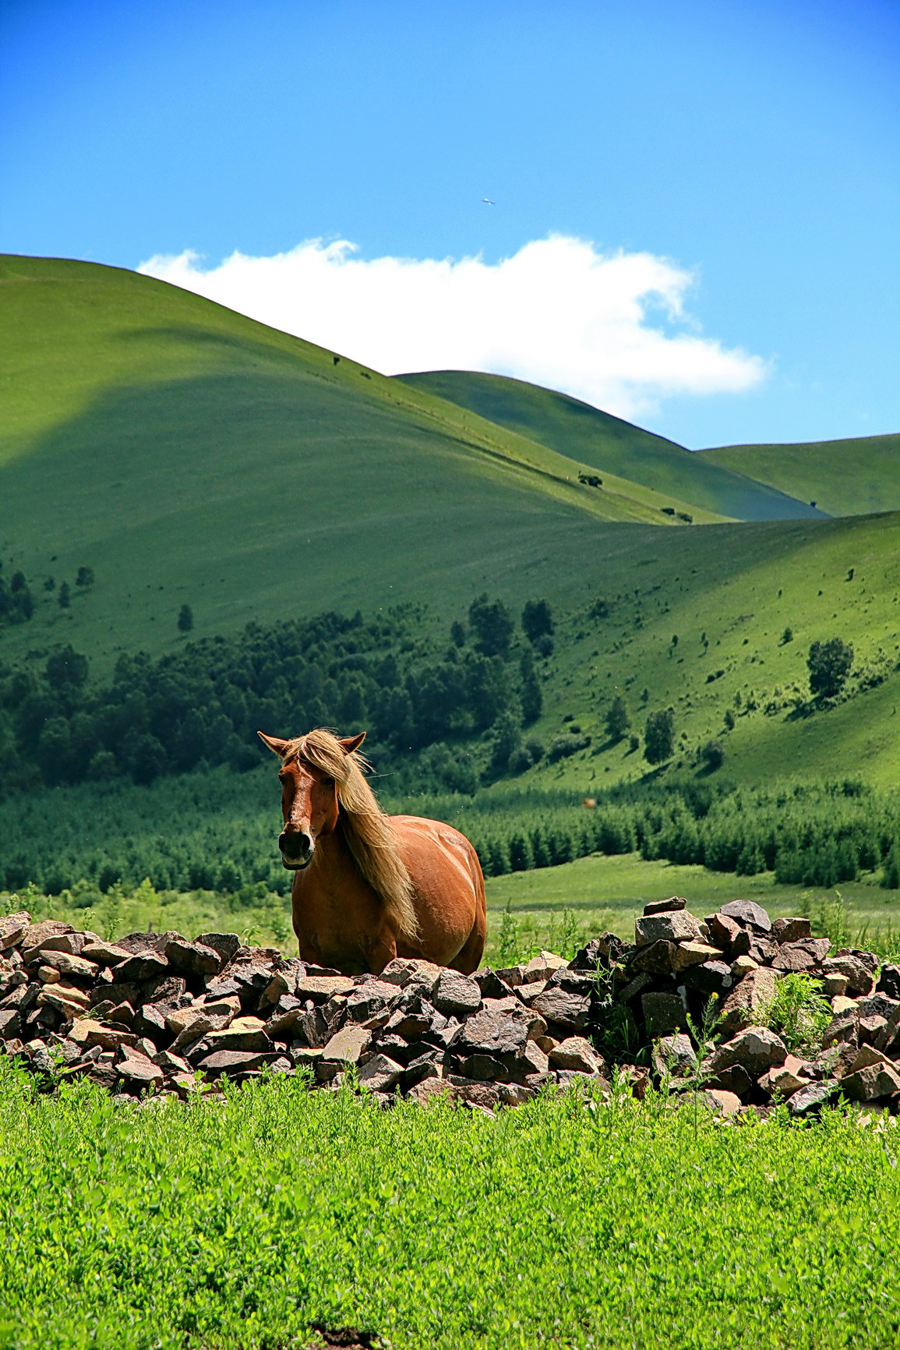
<point x="844" y="478"/>
<point x="190" y="455"/>
<point x="705" y="631"/>
<point x="612" y="445"/>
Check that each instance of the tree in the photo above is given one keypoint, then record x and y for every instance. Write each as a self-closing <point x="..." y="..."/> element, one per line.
<point x="829" y="664"/>
<point x="659" y="737"/>
<point x="617" y="719"/>
<point x="64" y="599"/>
<point x="493" y="626"/>
<point x="531" y="695"/>
<point x="713" y="755"/>
<point x="185" y="619"/>
<point x="66" y="670"/>
<point x="537" y="620"/>
<point x="85" y="576"/>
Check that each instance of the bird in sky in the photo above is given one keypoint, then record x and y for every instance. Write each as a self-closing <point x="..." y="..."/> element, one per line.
<point x="487" y="201"/>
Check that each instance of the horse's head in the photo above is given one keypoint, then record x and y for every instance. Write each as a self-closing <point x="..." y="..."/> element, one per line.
<point x="309" y="799"/>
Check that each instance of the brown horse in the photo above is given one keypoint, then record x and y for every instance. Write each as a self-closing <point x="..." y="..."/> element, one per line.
<point x="368" y="886"/>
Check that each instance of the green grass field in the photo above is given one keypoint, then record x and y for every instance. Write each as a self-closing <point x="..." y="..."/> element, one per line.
<point x="614" y="446"/>
<point x="240" y="1226"/>
<point x="849" y="477"/>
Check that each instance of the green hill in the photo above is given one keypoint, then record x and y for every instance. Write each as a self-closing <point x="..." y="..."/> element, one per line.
<point x="187" y="454"/>
<point x="845" y="478"/>
<point x="614" y="446"/>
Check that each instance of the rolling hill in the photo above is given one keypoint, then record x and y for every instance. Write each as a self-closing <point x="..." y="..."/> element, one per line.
<point x="615" y="446"/>
<point x="187" y="454"/>
<point x="845" y="478"/>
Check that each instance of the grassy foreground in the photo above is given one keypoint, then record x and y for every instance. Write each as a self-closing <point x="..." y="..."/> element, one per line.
<point x="553" y="1224"/>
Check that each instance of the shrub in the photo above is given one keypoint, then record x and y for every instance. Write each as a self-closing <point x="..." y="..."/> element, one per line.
<point x="617" y="719"/>
<point x="659" y="737"/>
<point x="713" y="755"/>
<point x="829" y="664"/>
<point x="799" y="1012"/>
<point x="537" y="620"/>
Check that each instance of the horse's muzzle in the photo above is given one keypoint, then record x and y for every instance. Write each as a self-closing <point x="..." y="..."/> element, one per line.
<point x="297" y="849"/>
<point x="296" y="864"/>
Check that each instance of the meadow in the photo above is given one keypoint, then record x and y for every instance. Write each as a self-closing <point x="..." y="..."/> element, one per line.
<point x="242" y="1225"/>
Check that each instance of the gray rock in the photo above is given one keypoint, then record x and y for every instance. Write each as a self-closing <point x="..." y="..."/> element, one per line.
<point x="563" y="1009"/>
<point x="380" y="1073"/>
<point x="664" y="1014"/>
<point x="791" y="930"/>
<point x="665" y="906"/>
<point x="140" y="967"/>
<point x="809" y="1099"/>
<point x="748" y="999"/>
<point x="577" y="1053"/>
<point x="232" y="1062"/>
<point x="889" y="981"/>
<point x="805" y="954"/>
<point x="456" y="995"/>
<point x="657" y="958"/>
<point x="748" y="912"/>
<point x="672" y="926"/>
<point x="842" y="1027"/>
<point x="348" y="1045"/>
<point x="226" y="944"/>
<point x="675" y="1055"/>
<point x="490" y="984"/>
<point x="492" y="1033"/>
<point x="192" y="958"/>
<point x="709" y="977"/>
<point x="858" y="972"/>
<point x="13" y="928"/>
<point x="755" y="1049"/>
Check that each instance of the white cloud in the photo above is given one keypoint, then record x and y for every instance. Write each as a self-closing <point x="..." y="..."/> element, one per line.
<point x="557" y="313"/>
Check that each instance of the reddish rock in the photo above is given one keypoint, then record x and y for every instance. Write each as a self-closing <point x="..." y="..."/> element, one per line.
<point x="671" y="926"/>
<point x="665" y="906"/>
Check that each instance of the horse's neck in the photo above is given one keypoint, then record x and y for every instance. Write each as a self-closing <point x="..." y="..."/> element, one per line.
<point x="333" y="852"/>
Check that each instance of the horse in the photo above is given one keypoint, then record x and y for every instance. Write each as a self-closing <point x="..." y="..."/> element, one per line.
<point x="369" y="887"/>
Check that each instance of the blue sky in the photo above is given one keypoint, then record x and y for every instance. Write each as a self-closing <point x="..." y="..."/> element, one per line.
<point x="752" y="149"/>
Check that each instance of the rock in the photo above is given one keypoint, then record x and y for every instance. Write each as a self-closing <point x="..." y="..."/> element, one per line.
<point x="192" y="958"/>
<point x="13" y="928"/>
<point x="603" y="951"/>
<point x="842" y="1027"/>
<point x="575" y="1052"/>
<point x="432" y="1090"/>
<point x="371" y="1003"/>
<point x="834" y="985"/>
<point x="755" y="1048"/>
<point x="492" y="1033"/>
<point x="380" y="1073"/>
<point x="665" y="906"/>
<point x="226" y="944"/>
<point x="104" y="953"/>
<point x="692" y="954"/>
<point x="802" y="955"/>
<point x="65" y="964"/>
<point x="634" y="988"/>
<point x="710" y="977"/>
<point x="527" y="993"/>
<point x="484" y="1068"/>
<point x="722" y="930"/>
<point x="858" y="972"/>
<point x="869" y="1029"/>
<point x="747" y="912"/>
<point x="720" y="1101"/>
<point x="490" y="984"/>
<point x="872" y="1081"/>
<point x="171" y="1064"/>
<point x="484" y="1096"/>
<point x="563" y="1009"/>
<point x="348" y="1044"/>
<point x="674" y="1055"/>
<point x="742" y="965"/>
<point x="735" y="1078"/>
<point x="809" y="1099"/>
<point x="10" y="1024"/>
<point x="664" y="1014"/>
<point x="36" y="934"/>
<point x="232" y="1062"/>
<point x="86" y="1032"/>
<point x="140" y="967"/>
<point x="140" y="1073"/>
<point x="243" y="1033"/>
<point x="65" y="998"/>
<point x="404" y="971"/>
<point x="320" y="988"/>
<point x="542" y="966"/>
<point x="672" y="926"/>
<point x="791" y="930"/>
<point x="657" y="958"/>
<point x="748" y="999"/>
<point x="888" y="981"/>
<point x="456" y="995"/>
<point x="787" y="1078"/>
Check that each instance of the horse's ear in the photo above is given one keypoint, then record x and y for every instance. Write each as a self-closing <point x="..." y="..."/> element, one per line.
<point x="351" y="743"/>
<point x="273" y="743"/>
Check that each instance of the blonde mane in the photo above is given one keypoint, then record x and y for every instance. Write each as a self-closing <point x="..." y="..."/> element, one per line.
<point x="367" y="830"/>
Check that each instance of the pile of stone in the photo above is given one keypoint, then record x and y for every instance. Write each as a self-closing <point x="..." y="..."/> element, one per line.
<point x="665" y="979"/>
<point x="157" y="1013"/>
